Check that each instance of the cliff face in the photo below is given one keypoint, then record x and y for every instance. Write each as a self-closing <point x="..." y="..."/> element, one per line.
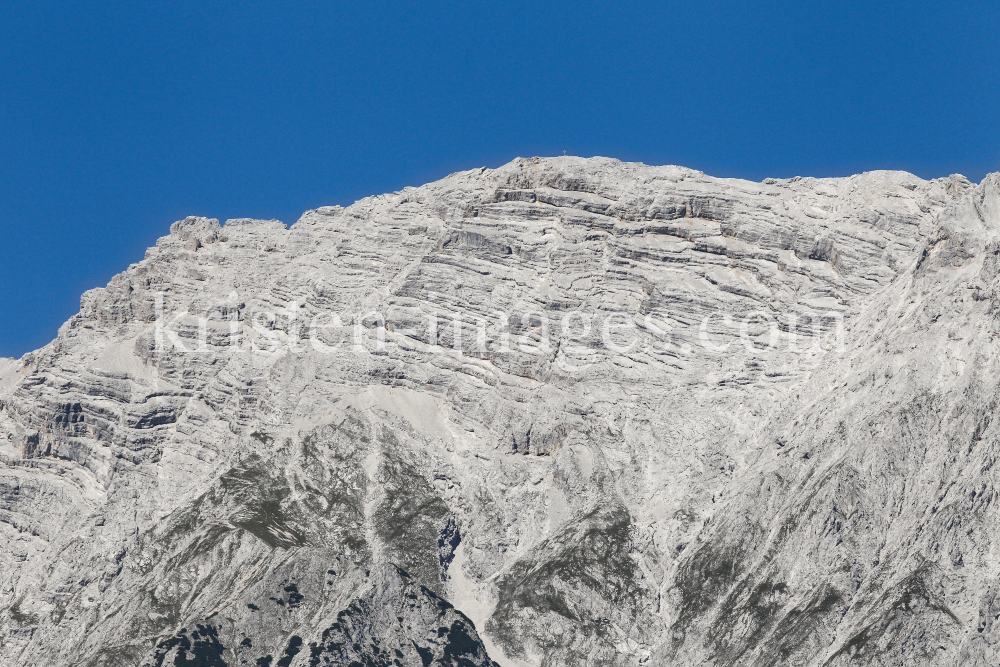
<point x="564" y="412"/>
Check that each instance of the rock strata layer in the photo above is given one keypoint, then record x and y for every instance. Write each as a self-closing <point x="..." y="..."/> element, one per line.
<point x="565" y="412"/>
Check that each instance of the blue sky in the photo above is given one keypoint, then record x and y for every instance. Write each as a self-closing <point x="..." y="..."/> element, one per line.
<point x="118" y="118"/>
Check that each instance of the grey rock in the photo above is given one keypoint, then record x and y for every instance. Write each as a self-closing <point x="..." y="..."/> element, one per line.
<point x="190" y="472"/>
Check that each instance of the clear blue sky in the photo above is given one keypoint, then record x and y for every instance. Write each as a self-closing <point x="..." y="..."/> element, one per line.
<point x="118" y="118"/>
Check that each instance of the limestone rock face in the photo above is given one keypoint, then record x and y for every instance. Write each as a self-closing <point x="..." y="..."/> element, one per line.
<point x="564" y="412"/>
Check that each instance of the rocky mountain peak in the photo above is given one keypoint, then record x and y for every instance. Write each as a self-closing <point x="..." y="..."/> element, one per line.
<point x="564" y="412"/>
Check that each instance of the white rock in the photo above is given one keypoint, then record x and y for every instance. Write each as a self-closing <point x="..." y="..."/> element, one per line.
<point x="596" y="496"/>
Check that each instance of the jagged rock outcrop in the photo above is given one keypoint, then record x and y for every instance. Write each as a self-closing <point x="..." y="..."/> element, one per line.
<point x="564" y="412"/>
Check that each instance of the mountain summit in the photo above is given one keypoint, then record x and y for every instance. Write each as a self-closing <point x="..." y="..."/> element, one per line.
<point x="565" y="412"/>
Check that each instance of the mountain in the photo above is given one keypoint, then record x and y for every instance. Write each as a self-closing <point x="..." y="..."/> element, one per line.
<point x="565" y="412"/>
